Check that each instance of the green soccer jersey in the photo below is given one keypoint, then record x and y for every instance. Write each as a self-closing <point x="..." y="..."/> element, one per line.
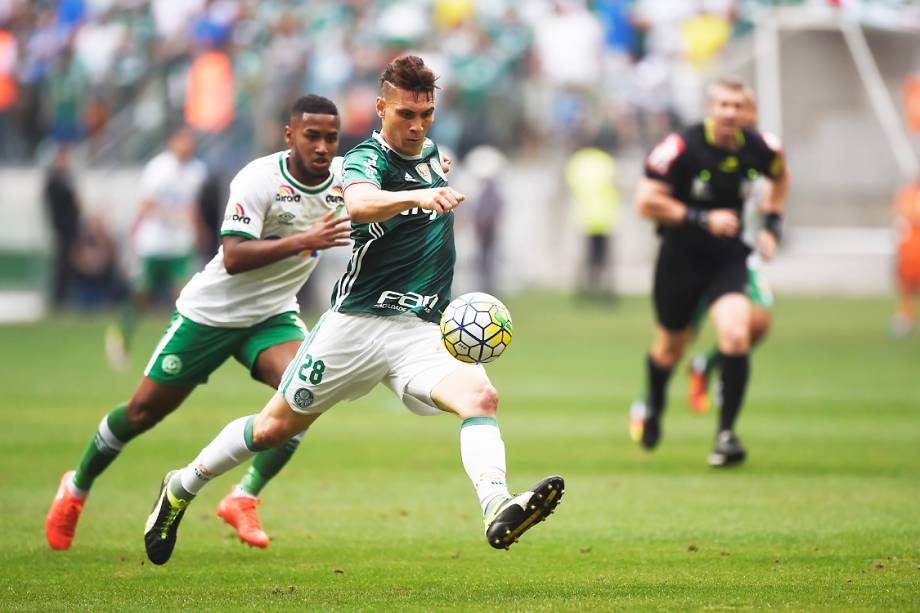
<point x="406" y="263"/>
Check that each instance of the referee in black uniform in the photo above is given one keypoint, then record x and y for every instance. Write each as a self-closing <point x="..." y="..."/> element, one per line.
<point x="694" y="189"/>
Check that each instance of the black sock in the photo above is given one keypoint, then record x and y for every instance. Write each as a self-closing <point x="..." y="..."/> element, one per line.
<point x="657" y="380"/>
<point x="735" y="372"/>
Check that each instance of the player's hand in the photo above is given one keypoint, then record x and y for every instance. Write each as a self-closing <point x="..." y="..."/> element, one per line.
<point x="445" y="163"/>
<point x="440" y="199"/>
<point x="329" y="231"/>
<point x="766" y="245"/>
<point x="723" y="222"/>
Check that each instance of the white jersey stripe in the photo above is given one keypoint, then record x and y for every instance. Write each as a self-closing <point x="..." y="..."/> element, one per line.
<point x="167" y="336"/>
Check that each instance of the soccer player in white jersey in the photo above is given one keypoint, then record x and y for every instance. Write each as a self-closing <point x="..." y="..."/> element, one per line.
<point x="382" y="326"/>
<point x="283" y="210"/>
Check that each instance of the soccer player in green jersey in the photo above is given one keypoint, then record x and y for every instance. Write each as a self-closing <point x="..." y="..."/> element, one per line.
<point x="281" y="213"/>
<point x="382" y="326"/>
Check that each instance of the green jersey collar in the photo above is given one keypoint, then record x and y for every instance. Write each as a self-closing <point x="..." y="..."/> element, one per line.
<point x="377" y="136"/>
<point x="711" y="136"/>
<point x="282" y="163"/>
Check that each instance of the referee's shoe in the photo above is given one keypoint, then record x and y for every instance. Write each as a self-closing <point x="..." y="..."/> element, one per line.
<point x="644" y="425"/>
<point x="728" y="450"/>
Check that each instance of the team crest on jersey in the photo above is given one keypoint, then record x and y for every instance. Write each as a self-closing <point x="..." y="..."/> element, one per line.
<point x="303" y="398"/>
<point x="286" y="194"/>
<point x="436" y="167"/>
<point x="422" y="170"/>
<point x="172" y="364"/>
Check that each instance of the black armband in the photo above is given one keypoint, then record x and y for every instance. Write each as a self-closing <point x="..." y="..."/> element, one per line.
<point x="696" y="217"/>
<point x="773" y="223"/>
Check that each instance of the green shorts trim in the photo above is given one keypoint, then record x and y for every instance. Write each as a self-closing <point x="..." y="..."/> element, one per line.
<point x="758" y="290"/>
<point x="188" y="352"/>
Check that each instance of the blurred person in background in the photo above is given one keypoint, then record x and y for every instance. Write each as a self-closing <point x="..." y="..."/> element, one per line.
<point x="760" y="210"/>
<point x="908" y="260"/>
<point x="279" y="215"/>
<point x="63" y="209"/>
<point x="9" y="93"/>
<point x="591" y="178"/>
<point x="165" y="235"/>
<point x="693" y="191"/>
<point x="97" y="279"/>
<point x="484" y="163"/>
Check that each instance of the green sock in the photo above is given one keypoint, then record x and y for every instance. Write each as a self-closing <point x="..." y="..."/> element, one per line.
<point x="712" y="360"/>
<point x="267" y="464"/>
<point x="113" y="432"/>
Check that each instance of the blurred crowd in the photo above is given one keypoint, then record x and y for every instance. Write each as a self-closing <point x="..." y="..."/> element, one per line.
<point x="514" y="74"/>
<point x="113" y="79"/>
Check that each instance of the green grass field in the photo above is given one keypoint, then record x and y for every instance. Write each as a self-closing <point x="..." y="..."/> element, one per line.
<point x="375" y="511"/>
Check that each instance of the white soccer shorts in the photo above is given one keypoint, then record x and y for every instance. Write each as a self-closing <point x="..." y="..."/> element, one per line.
<point x="346" y="355"/>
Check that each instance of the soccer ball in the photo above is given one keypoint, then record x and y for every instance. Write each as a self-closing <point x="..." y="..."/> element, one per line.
<point x="476" y="328"/>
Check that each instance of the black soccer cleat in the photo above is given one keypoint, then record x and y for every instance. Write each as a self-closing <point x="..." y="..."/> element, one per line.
<point x="163" y="523"/>
<point x="644" y="426"/>
<point x="519" y="513"/>
<point x="728" y="450"/>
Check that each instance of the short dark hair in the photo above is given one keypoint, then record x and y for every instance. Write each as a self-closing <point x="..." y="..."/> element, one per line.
<point x="313" y="104"/>
<point x="408" y="72"/>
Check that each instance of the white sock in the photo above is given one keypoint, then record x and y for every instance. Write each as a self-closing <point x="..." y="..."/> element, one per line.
<point x="239" y="492"/>
<point x="483" y="453"/>
<point x="225" y="452"/>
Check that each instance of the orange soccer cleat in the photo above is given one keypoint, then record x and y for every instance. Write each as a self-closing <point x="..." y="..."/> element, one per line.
<point x="241" y="514"/>
<point x="699" y="382"/>
<point x="61" y="522"/>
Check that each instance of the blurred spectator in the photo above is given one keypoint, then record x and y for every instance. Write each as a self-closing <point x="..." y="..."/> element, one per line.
<point x="68" y="88"/>
<point x="591" y="177"/>
<point x="210" y="100"/>
<point x="97" y="279"/>
<point x="908" y="260"/>
<point x="63" y="209"/>
<point x="9" y="91"/>
<point x="484" y="164"/>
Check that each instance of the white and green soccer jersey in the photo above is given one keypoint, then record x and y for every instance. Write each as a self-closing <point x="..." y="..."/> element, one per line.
<point x="265" y="203"/>
<point x="406" y="263"/>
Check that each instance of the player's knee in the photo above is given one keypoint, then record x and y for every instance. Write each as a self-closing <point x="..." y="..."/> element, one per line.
<point x="484" y="402"/>
<point x="666" y="355"/>
<point x="734" y="340"/>
<point x="269" y="436"/>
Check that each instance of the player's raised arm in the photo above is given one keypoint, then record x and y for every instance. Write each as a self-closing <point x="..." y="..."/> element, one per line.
<point x="367" y="203"/>
<point x="242" y="254"/>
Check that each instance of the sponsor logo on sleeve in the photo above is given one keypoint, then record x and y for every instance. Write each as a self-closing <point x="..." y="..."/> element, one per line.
<point x="239" y="214"/>
<point x="286" y="193"/>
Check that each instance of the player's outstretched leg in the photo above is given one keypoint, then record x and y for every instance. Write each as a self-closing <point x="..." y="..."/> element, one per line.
<point x="507" y="518"/>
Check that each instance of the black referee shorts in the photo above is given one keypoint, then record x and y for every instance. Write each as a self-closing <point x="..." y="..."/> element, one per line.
<point x="683" y="279"/>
